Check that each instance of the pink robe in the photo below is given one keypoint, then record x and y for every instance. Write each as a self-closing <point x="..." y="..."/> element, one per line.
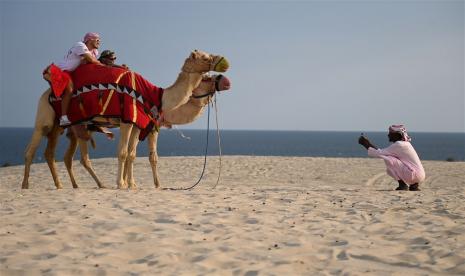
<point x="402" y="162"/>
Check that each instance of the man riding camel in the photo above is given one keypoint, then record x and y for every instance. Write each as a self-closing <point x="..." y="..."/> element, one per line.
<point x="108" y="58"/>
<point x="58" y="75"/>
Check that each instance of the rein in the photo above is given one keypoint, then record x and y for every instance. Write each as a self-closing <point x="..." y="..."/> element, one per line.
<point x="217" y="80"/>
<point x="219" y="143"/>
<point x="204" y="161"/>
<point x="217" y="88"/>
<point x="203" y="95"/>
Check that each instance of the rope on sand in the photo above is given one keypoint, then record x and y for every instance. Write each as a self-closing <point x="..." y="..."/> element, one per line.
<point x="219" y="143"/>
<point x="204" y="163"/>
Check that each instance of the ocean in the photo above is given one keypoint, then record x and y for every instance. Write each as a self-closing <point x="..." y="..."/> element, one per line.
<point x="430" y="146"/>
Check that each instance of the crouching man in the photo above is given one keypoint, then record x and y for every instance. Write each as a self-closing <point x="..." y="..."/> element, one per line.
<point x="401" y="159"/>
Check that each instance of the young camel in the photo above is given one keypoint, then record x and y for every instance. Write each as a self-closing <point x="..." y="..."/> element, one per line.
<point x="185" y="114"/>
<point x="182" y="115"/>
<point x="174" y="96"/>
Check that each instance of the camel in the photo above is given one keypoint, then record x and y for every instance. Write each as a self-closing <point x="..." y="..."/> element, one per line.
<point x="174" y="98"/>
<point x="185" y="114"/>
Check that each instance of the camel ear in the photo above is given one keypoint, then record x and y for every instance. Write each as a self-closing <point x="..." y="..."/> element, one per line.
<point x="195" y="54"/>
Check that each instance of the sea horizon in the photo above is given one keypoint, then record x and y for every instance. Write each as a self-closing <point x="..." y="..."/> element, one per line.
<point x="443" y="146"/>
<point x="274" y="130"/>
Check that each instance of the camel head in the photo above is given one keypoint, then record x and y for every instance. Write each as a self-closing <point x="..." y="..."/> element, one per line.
<point x="201" y="62"/>
<point x="201" y="96"/>
<point x="210" y="84"/>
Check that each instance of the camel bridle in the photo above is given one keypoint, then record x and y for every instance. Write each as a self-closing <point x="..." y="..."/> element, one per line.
<point x="217" y="81"/>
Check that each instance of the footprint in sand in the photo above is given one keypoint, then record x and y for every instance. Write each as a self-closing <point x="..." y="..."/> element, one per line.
<point x="251" y="273"/>
<point x="198" y="258"/>
<point x="165" y="220"/>
<point x="342" y="256"/>
<point x="147" y="259"/>
<point x="292" y="244"/>
<point x="45" y="256"/>
<point x="338" y="243"/>
<point x="251" y="221"/>
<point x="420" y="243"/>
<point x="375" y="179"/>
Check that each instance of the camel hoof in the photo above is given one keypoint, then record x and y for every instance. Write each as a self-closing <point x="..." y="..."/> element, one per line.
<point x="220" y="64"/>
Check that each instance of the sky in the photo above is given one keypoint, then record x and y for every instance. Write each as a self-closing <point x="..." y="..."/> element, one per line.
<point x="295" y="65"/>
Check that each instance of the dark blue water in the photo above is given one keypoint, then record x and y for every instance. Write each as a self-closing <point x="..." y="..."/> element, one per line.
<point x="430" y="146"/>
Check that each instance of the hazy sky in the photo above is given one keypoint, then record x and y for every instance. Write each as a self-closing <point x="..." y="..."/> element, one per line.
<point x="306" y="65"/>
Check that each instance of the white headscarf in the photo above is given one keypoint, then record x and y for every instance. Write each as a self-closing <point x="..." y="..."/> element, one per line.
<point x="402" y="130"/>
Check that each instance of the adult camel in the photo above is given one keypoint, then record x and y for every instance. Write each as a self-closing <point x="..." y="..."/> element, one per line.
<point x="173" y="97"/>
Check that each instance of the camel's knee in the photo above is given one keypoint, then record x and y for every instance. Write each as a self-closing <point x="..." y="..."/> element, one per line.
<point x="153" y="158"/>
<point x="68" y="162"/>
<point x="31" y="148"/>
<point x="122" y="156"/>
<point x="46" y="129"/>
<point x="131" y="158"/>
<point x="68" y="158"/>
<point x="29" y="156"/>
<point x="132" y="155"/>
<point x="49" y="155"/>
<point x="86" y="162"/>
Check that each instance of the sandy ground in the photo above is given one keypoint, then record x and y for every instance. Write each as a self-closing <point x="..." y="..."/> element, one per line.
<point x="267" y="216"/>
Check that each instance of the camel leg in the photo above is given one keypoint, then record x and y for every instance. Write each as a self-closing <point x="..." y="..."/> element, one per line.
<point x="126" y="164"/>
<point x="29" y="156"/>
<point x="44" y="122"/>
<point x="85" y="161"/>
<point x="52" y="140"/>
<point x="132" y="152"/>
<point x="153" y="156"/>
<point x="125" y="172"/>
<point x="125" y="132"/>
<point x="68" y="159"/>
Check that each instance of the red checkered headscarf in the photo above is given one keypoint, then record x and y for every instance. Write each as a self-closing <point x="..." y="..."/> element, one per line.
<point x="402" y="130"/>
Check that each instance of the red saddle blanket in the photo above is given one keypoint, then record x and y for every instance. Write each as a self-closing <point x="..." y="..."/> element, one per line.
<point x="103" y="91"/>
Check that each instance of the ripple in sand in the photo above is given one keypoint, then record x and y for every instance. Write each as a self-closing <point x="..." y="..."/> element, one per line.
<point x="251" y="221"/>
<point x="251" y="273"/>
<point x="165" y="220"/>
<point x="45" y="256"/>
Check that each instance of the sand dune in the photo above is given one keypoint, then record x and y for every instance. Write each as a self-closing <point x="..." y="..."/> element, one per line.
<point x="267" y="216"/>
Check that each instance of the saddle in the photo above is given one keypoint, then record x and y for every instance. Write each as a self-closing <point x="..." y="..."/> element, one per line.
<point x="105" y="96"/>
